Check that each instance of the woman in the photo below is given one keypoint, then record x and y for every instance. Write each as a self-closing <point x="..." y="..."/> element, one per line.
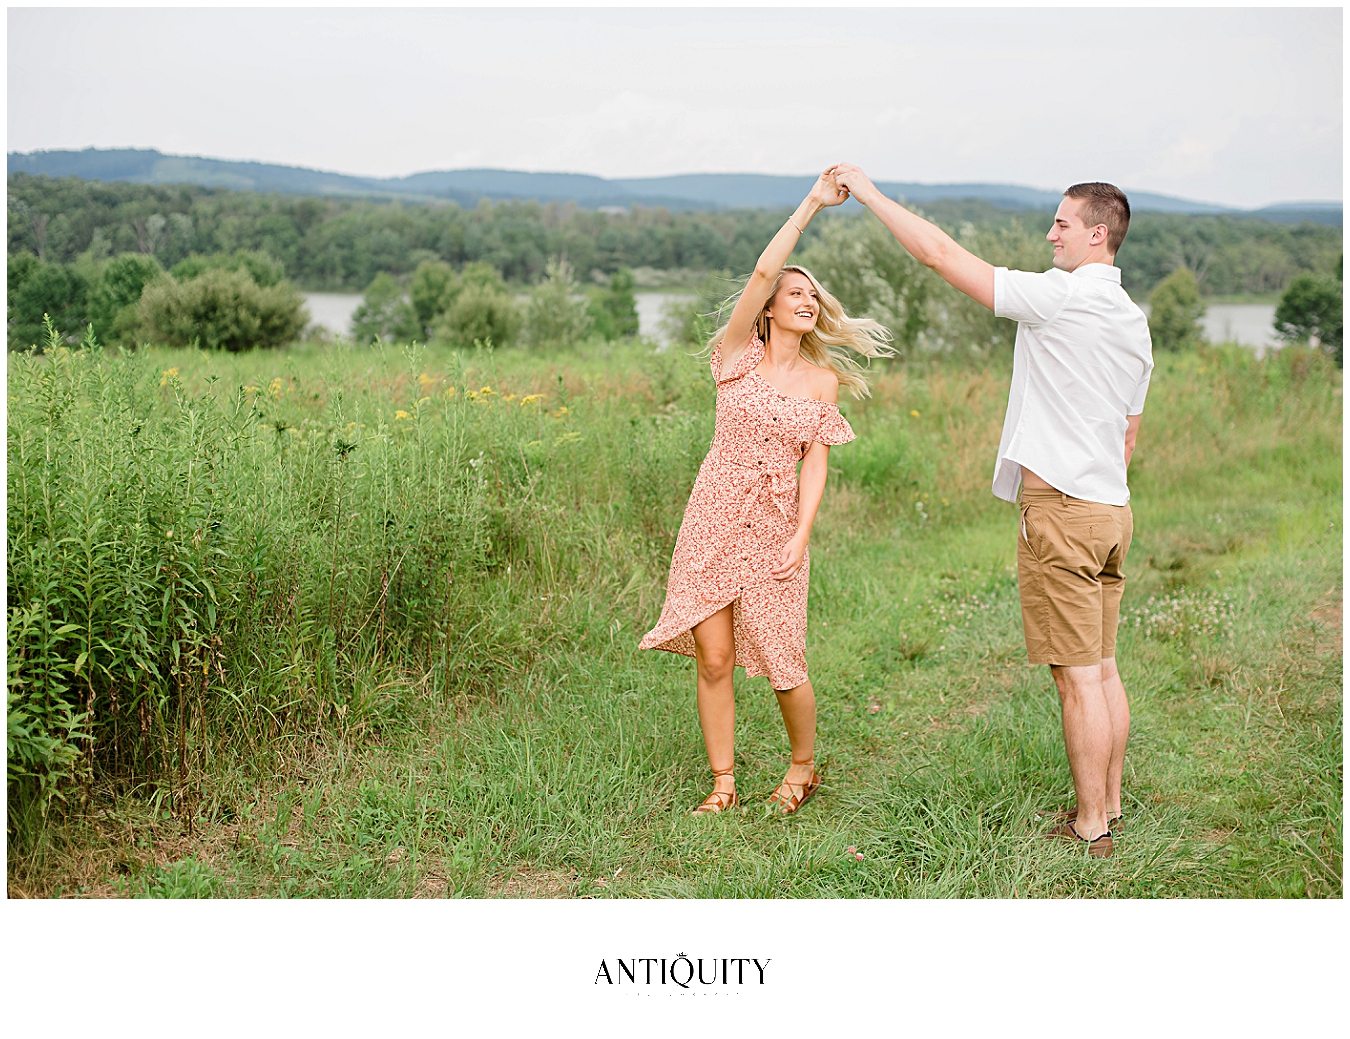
<point x="738" y="580"/>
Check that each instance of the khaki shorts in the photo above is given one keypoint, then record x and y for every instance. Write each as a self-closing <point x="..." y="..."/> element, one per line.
<point x="1070" y="559"/>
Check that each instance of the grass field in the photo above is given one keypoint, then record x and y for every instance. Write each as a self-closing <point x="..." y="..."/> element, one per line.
<point x="363" y="624"/>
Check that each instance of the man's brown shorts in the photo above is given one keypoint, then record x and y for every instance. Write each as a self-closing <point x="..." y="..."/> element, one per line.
<point x="1070" y="559"/>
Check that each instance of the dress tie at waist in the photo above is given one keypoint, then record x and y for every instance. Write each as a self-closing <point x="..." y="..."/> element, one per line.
<point x="781" y="483"/>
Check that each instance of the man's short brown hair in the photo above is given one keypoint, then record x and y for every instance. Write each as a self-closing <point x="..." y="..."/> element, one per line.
<point x="1104" y="204"/>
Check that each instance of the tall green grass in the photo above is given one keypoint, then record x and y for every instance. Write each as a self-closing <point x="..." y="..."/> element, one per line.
<point x="363" y="623"/>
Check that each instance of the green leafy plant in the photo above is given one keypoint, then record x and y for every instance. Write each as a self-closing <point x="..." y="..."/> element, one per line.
<point x="219" y="309"/>
<point x="385" y="313"/>
<point x="613" y="308"/>
<point x="554" y="317"/>
<point x="1175" y="310"/>
<point x="1313" y="305"/>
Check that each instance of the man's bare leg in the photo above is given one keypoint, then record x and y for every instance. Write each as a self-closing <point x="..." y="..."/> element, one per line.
<point x="1119" y="708"/>
<point x="1087" y="739"/>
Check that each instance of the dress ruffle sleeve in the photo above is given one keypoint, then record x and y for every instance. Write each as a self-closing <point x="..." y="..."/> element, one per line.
<point x="834" y="428"/>
<point x="745" y="364"/>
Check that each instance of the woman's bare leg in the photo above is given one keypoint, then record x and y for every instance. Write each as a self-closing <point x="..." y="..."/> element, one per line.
<point x="715" y="653"/>
<point x="799" y="715"/>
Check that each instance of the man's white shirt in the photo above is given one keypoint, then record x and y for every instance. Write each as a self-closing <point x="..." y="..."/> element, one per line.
<point x="1081" y="365"/>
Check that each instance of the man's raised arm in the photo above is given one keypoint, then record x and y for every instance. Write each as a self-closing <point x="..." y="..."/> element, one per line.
<point x="926" y="242"/>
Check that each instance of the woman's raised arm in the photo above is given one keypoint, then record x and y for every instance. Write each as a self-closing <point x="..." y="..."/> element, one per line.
<point x="824" y="193"/>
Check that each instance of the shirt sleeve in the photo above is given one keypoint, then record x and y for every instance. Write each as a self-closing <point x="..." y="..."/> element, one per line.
<point x="1140" y="392"/>
<point x="1028" y="297"/>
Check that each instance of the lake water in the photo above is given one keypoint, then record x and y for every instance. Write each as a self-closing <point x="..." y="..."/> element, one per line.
<point x="333" y="310"/>
<point x="1248" y="323"/>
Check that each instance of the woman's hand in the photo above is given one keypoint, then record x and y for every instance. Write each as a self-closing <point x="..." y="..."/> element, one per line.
<point x="827" y="191"/>
<point x="791" y="559"/>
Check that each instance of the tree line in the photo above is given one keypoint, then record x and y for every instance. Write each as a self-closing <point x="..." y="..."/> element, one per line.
<point x="342" y="244"/>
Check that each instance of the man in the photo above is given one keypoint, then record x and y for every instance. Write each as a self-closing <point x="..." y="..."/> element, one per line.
<point x="1081" y="369"/>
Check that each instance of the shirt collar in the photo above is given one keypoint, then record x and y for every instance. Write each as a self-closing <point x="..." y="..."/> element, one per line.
<point x="1105" y="271"/>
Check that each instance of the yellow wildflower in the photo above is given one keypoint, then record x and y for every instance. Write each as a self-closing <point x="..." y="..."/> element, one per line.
<point x="530" y="399"/>
<point x="487" y="391"/>
<point x="508" y="398"/>
<point x="564" y="410"/>
<point x="424" y="378"/>
<point x="914" y="413"/>
<point x="274" y="387"/>
<point x="449" y="392"/>
<point x="401" y="414"/>
<point x="168" y="373"/>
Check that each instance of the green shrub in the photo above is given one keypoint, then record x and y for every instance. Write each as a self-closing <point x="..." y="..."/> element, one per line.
<point x="220" y="309"/>
<point x="38" y="289"/>
<point x="1312" y="306"/>
<point x="613" y="308"/>
<point x="478" y="308"/>
<point x="433" y="289"/>
<point x="385" y="314"/>
<point x="1175" y="310"/>
<point x="263" y="269"/>
<point x="112" y="304"/>
<point x="553" y="316"/>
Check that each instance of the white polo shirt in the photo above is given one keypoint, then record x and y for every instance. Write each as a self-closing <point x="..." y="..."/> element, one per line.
<point x="1081" y="364"/>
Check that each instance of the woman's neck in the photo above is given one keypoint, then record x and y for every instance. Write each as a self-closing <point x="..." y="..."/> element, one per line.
<point x="783" y="349"/>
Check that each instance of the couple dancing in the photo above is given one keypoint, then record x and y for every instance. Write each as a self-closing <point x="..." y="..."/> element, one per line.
<point x="738" y="581"/>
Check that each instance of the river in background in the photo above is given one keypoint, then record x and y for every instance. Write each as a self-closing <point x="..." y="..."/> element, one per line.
<point x="333" y="310"/>
<point x="1248" y="323"/>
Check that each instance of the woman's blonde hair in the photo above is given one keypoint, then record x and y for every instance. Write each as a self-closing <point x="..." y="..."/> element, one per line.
<point x="834" y="330"/>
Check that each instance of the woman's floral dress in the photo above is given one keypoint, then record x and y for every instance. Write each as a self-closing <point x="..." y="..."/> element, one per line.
<point x="741" y="512"/>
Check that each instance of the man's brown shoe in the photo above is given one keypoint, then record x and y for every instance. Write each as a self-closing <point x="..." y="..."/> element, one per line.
<point x="1099" y="847"/>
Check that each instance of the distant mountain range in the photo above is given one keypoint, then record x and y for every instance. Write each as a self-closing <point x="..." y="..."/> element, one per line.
<point x="467" y="187"/>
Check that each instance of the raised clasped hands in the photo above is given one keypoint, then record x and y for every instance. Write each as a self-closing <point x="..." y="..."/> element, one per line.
<point x="854" y="182"/>
<point x="827" y="191"/>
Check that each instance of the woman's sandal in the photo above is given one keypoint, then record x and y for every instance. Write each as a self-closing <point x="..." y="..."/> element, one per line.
<point x="718" y="800"/>
<point x="794" y="800"/>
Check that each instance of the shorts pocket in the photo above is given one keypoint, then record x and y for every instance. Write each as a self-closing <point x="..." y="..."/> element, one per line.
<point x="1032" y="530"/>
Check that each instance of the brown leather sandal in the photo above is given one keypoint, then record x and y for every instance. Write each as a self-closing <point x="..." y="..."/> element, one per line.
<point x="718" y="800"/>
<point x="793" y="801"/>
<point x="1100" y="847"/>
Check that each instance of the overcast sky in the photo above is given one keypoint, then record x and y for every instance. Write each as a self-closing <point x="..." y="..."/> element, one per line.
<point x="1241" y="107"/>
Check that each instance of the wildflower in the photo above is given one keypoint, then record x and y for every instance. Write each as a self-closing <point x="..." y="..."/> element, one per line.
<point x="564" y="410"/>
<point x="168" y="373"/>
<point x="530" y="398"/>
<point x="487" y="391"/>
<point x="852" y="850"/>
<point x="274" y="387"/>
<point x="251" y="389"/>
<point x="508" y="398"/>
<point x="401" y="414"/>
<point x="424" y="379"/>
<point x="914" y="413"/>
<point x="449" y="392"/>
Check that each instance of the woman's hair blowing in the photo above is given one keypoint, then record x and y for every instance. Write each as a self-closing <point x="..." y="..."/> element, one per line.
<point x="834" y="333"/>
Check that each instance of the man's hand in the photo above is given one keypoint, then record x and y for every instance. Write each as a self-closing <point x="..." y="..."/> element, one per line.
<point x="857" y="182"/>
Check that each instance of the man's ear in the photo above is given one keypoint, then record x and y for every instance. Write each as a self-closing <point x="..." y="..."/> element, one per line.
<point x="1099" y="234"/>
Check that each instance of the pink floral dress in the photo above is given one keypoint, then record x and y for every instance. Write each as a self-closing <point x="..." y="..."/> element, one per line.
<point x="741" y="512"/>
